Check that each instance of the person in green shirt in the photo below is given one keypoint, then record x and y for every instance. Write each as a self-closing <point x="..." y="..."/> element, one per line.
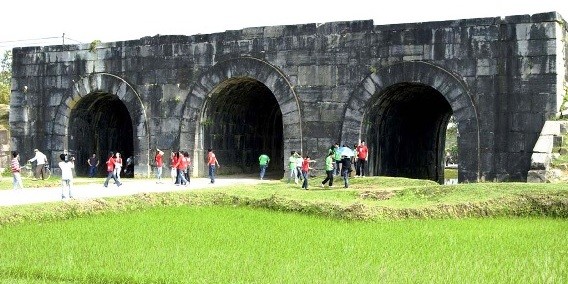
<point x="263" y="160"/>
<point x="293" y="167"/>
<point x="329" y="163"/>
<point x="337" y="159"/>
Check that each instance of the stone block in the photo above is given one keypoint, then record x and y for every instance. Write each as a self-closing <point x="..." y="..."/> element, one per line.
<point x="551" y="128"/>
<point x="544" y="176"/>
<point x="540" y="161"/>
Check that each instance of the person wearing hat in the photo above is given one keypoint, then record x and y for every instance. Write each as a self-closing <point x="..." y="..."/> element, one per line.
<point x="40" y="160"/>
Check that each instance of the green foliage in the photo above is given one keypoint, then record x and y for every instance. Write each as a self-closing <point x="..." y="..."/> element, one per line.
<point x="5" y="77"/>
<point x="452" y="135"/>
<point x="561" y="161"/>
<point x="93" y="45"/>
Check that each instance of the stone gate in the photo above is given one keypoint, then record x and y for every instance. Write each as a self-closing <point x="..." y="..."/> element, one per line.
<point x="302" y="87"/>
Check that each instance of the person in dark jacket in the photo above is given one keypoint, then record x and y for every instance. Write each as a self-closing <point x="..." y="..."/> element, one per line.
<point x="345" y="170"/>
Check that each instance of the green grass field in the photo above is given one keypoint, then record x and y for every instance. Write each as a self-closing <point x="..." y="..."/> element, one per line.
<point x="187" y="244"/>
<point x="380" y="230"/>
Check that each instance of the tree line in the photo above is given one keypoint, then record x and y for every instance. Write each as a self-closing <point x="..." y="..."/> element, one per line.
<point x="5" y="77"/>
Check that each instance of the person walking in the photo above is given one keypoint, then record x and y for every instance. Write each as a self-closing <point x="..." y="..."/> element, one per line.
<point x="212" y="162"/>
<point x="16" y="171"/>
<point x="263" y="161"/>
<point x="66" y="165"/>
<point x="179" y="164"/>
<point x="345" y="170"/>
<point x="159" y="159"/>
<point x="329" y="169"/>
<point x="93" y="162"/>
<point x="41" y="160"/>
<point x="110" y="170"/>
<point x="362" y="157"/>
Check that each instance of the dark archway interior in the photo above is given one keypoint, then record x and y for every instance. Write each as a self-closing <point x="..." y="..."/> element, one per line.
<point x="243" y="120"/>
<point x="100" y="123"/>
<point x="407" y="132"/>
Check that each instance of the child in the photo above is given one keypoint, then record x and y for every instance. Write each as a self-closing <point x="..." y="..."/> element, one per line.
<point x="66" y="167"/>
<point x="15" y="165"/>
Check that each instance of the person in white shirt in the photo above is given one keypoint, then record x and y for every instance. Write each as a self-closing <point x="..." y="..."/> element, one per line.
<point x="66" y="167"/>
<point x="299" y="161"/>
<point x="117" y="165"/>
<point x="40" y="160"/>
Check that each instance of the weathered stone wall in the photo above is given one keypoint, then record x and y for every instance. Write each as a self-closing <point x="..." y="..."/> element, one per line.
<point x="503" y="77"/>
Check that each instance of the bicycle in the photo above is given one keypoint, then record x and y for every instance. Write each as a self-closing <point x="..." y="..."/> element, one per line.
<point x="28" y="171"/>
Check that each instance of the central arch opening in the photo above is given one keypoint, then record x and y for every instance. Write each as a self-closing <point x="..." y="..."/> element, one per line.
<point x="242" y="121"/>
<point x="100" y="123"/>
<point x="407" y="132"/>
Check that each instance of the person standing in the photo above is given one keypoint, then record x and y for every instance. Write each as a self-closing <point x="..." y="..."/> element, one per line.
<point x="212" y="162"/>
<point x="329" y="162"/>
<point x="40" y="160"/>
<point x="110" y="170"/>
<point x="306" y="171"/>
<point x="159" y="159"/>
<point x="346" y="170"/>
<point x="129" y="169"/>
<point x="93" y="162"/>
<point x="66" y="167"/>
<point x="263" y="161"/>
<point x="362" y="155"/>
<point x="117" y="165"/>
<point x="187" y="168"/>
<point x="16" y="169"/>
<point x="354" y="160"/>
<point x="337" y="159"/>
<point x="299" y="161"/>
<point x="292" y="167"/>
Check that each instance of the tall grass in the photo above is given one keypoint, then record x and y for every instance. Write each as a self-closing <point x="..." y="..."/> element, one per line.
<point x="186" y="244"/>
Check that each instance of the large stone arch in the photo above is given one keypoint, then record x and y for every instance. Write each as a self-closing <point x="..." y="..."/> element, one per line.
<point x="104" y="84"/>
<point x="450" y="86"/>
<point x="212" y="80"/>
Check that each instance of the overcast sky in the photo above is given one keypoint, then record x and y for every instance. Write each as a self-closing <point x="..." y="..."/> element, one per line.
<point x="35" y="22"/>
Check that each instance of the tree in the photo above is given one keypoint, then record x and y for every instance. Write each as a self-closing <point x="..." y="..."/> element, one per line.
<point x="5" y="77"/>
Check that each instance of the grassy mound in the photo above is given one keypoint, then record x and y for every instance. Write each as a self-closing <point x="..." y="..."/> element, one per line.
<point x="373" y="198"/>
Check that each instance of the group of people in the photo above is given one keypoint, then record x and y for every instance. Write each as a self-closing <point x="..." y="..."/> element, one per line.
<point x="94" y="162"/>
<point x="180" y="163"/>
<point x="338" y="161"/>
<point x="67" y="164"/>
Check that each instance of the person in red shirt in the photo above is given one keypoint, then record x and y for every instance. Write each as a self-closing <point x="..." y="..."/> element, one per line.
<point x="212" y="162"/>
<point x="110" y="170"/>
<point x="180" y="165"/>
<point x="306" y="170"/>
<point x="362" y="157"/>
<point x="159" y="159"/>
